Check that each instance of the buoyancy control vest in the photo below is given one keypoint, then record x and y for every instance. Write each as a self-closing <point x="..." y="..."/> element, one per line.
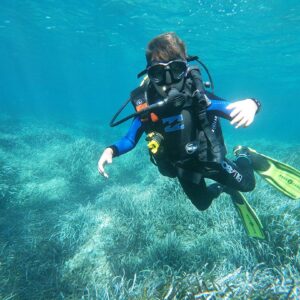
<point x="201" y="132"/>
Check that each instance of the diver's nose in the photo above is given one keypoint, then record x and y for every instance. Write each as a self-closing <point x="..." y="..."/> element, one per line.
<point x="168" y="77"/>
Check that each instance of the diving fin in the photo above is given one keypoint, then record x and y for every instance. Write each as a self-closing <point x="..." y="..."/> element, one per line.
<point x="282" y="176"/>
<point x="251" y="222"/>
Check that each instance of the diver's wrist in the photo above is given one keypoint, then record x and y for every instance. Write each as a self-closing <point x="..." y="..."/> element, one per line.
<point x="258" y="104"/>
<point x="114" y="150"/>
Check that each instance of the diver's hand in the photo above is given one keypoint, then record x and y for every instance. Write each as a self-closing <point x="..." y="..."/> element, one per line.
<point x="106" y="158"/>
<point x="243" y="112"/>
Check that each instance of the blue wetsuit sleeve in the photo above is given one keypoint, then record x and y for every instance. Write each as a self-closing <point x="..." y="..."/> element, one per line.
<point x="218" y="108"/>
<point x="129" y="141"/>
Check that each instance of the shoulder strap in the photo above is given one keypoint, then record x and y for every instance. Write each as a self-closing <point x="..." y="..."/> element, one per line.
<point x="195" y="74"/>
<point x="139" y="95"/>
<point x="201" y="103"/>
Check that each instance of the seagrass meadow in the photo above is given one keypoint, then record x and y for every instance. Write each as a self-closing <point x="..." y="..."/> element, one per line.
<point x="66" y="232"/>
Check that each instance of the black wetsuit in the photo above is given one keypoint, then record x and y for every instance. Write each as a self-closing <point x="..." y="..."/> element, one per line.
<point x="178" y="127"/>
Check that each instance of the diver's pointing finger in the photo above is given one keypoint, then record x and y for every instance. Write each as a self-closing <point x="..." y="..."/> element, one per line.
<point x="101" y="167"/>
<point x="231" y="106"/>
<point x="102" y="172"/>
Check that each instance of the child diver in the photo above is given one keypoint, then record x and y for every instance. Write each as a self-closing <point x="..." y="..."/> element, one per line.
<point x="181" y="120"/>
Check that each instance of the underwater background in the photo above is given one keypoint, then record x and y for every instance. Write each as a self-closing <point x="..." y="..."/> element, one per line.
<point x="65" y="232"/>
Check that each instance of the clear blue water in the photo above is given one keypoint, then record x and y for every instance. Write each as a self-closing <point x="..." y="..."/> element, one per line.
<point x="65" y="232"/>
<point x="78" y="60"/>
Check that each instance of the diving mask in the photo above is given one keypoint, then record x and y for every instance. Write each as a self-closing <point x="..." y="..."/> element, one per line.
<point x="176" y="69"/>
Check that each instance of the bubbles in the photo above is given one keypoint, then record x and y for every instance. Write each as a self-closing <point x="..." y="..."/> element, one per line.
<point x="50" y="27"/>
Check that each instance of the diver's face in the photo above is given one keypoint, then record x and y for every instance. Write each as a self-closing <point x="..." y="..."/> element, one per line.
<point x="164" y="89"/>
<point x="167" y="75"/>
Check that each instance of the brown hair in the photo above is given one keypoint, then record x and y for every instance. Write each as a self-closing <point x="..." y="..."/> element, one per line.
<point x="165" y="47"/>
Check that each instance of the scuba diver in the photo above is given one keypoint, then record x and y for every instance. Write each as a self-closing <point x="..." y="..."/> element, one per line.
<point x="181" y="119"/>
